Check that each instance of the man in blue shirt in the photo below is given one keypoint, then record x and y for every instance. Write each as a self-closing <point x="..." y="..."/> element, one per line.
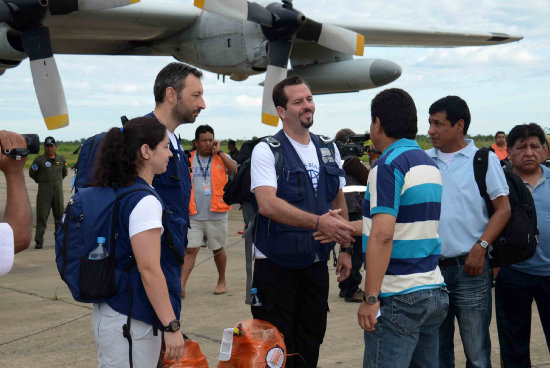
<point x="465" y="230"/>
<point x="517" y="285"/>
<point x="405" y="297"/>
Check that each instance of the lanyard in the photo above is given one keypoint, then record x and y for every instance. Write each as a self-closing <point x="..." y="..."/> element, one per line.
<point x="204" y="171"/>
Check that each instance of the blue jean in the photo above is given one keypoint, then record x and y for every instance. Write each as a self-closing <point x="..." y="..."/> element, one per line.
<point x="514" y="295"/>
<point x="470" y="302"/>
<point x="407" y="332"/>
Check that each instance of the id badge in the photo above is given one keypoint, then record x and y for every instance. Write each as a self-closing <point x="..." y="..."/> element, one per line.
<point x="207" y="189"/>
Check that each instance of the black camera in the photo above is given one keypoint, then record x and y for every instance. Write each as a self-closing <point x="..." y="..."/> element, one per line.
<point x="354" y="145"/>
<point x="33" y="147"/>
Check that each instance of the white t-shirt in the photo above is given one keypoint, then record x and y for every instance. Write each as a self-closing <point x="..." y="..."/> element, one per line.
<point x="262" y="166"/>
<point x="146" y="215"/>
<point x="263" y="172"/>
<point x="6" y="248"/>
<point x="173" y="140"/>
<point x="446" y="157"/>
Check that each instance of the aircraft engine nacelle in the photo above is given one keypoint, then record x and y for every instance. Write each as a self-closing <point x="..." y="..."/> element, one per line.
<point x="223" y="45"/>
<point x="10" y="56"/>
<point x="349" y="75"/>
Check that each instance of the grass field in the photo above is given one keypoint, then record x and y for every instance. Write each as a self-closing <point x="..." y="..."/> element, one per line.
<point x="66" y="149"/>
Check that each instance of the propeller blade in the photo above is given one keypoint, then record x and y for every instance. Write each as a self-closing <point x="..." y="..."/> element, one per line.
<point x="279" y="51"/>
<point x="333" y="37"/>
<point x="47" y="82"/>
<point x="237" y="9"/>
<point x="103" y="4"/>
<point x="5" y="12"/>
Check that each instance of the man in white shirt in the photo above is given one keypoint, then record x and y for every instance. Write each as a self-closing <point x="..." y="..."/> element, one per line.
<point x="290" y="271"/>
<point x="15" y="231"/>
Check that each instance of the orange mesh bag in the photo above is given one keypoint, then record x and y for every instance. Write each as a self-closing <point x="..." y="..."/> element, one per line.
<point x="256" y="344"/>
<point x="192" y="357"/>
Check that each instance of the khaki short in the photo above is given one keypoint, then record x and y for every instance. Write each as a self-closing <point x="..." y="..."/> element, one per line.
<point x="213" y="233"/>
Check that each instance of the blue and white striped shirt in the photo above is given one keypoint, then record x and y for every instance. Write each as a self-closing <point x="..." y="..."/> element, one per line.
<point x="406" y="183"/>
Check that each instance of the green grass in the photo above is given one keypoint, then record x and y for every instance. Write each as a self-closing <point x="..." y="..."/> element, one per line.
<point x="66" y="149"/>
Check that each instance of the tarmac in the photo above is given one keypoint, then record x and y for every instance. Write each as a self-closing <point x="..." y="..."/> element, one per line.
<point x="42" y="326"/>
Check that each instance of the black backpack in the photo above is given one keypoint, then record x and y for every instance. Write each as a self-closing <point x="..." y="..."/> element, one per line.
<point x="518" y="241"/>
<point x="237" y="189"/>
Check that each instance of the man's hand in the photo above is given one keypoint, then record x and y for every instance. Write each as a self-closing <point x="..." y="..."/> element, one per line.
<point x="366" y="315"/>
<point x="334" y="229"/>
<point x="8" y="141"/>
<point x="216" y="146"/>
<point x="174" y="343"/>
<point x="344" y="266"/>
<point x="475" y="261"/>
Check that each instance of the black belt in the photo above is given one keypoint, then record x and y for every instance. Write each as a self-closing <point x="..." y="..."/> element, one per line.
<point x="454" y="261"/>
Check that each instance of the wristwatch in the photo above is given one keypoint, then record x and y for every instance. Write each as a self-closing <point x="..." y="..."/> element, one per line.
<point x="173" y="326"/>
<point x="483" y="243"/>
<point x="218" y="153"/>
<point x="348" y="250"/>
<point x="370" y="299"/>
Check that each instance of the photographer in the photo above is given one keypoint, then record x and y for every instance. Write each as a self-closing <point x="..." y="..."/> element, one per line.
<point x="15" y="231"/>
<point x="356" y="175"/>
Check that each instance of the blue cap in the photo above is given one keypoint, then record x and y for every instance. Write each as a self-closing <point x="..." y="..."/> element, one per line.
<point x="101" y="240"/>
<point x="253" y="291"/>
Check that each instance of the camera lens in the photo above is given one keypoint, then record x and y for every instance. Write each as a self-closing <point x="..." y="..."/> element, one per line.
<point x="33" y="143"/>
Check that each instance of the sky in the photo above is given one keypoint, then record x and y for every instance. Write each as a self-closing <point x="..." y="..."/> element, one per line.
<point x="503" y="85"/>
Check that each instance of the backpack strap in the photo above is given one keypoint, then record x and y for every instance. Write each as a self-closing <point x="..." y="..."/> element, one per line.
<point x="481" y="165"/>
<point x="275" y="147"/>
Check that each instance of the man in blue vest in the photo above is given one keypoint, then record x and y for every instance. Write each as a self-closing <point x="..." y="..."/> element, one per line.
<point x="179" y="100"/>
<point x="290" y="271"/>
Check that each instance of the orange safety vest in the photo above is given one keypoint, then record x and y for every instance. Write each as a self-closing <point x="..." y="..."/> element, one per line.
<point x="218" y="178"/>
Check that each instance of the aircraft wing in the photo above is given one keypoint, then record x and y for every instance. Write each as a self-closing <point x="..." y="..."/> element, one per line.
<point x="129" y="30"/>
<point x="388" y="35"/>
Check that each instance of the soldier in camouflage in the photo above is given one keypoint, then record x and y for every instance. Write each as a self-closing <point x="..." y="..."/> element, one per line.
<point x="48" y="170"/>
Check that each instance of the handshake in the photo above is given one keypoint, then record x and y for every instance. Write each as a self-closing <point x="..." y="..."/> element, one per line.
<point x="332" y="227"/>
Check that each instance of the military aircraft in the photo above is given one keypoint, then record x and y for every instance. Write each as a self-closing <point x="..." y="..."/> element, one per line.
<point x="237" y="38"/>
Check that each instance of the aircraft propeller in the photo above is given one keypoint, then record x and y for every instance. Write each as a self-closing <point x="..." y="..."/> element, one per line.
<point x="26" y="16"/>
<point x="281" y="23"/>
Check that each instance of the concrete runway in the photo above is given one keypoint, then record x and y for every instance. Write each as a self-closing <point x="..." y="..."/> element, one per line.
<point x="42" y="326"/>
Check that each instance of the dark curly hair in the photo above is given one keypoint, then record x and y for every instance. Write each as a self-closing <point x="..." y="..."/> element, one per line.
<point x="118" y="157"/>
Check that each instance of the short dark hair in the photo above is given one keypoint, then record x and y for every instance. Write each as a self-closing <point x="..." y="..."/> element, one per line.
<point x="397" y="113"/>
<point x="343" y="134"/>
<point x="279" y="95"/>
<point x="524" y="131"/>
<point x="499" y="132"/>
<point x="455" y="108"/>
<point x="231" y="142"/>
<point x="173" y="75"/>
<point x="201" y="129"/>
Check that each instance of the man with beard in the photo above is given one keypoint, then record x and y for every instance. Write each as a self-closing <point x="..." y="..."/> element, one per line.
<point x="179" y="99"/>
<point x="290" y="270"/>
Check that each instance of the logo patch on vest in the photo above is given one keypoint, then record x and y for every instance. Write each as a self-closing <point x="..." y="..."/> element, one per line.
<point x="326" y="155"/>
<point x="48" y="164"/>
<point x="275" y="357"/>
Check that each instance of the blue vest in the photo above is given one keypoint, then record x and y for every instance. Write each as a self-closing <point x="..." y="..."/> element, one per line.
<point x="142" y="310"/>
<point x="174" y="187"/>
<point x="289" y="246"/>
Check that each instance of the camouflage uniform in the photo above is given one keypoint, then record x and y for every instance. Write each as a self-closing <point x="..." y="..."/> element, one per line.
<point x="49" y="174"/>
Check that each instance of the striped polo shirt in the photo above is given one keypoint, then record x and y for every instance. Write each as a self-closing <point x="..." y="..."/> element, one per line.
<point x="406" y="183"/>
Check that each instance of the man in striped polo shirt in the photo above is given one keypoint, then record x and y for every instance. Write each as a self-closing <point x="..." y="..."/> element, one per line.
<point x="405" y="296"/>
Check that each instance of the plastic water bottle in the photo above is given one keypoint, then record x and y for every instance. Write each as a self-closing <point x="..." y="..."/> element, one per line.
<point x="100" y="251"/>
<point x="255" y="301"/>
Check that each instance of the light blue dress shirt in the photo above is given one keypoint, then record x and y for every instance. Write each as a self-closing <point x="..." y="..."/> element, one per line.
<point x="463" y="211"/>
<point x="539" y="264"/>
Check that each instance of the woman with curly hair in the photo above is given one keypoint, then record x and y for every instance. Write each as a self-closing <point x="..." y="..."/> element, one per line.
<point x="126" y="325"/>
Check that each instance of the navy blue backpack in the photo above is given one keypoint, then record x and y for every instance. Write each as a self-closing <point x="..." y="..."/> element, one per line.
<point x="91" y="212"/>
